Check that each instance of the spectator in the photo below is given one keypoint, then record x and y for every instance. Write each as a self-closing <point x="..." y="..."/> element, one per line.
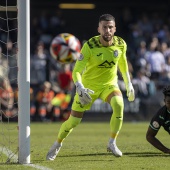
<point x="38" y="65"/>
<point x="44" y="98"/>
<point x="61" y="103"/>
<point x="7" y="99"/>
<point x="165" y="76"/>
<point x="156" y="61"/>
<point x="141" y="51"/>
<point x="32" y="105"/>
<point x="165" y="49"/>
<point x="12" y="62"/>
<point x="144" y="86"/>
<point x="3" y="65"/>
<point x="65" y="78"/>
<point x="145" y="26"/>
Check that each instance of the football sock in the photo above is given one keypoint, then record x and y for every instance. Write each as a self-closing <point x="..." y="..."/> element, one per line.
<point x="112" y="140"/>
<point x="67" y="127"/>
<point x="117" y="116"/>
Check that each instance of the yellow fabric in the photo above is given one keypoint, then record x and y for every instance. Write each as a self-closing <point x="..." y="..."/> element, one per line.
<point x="61" y="98"/>
<point x="67" y="127"/>
<point x="126" y="78"/>
<point x="97" y="65"/>
<point x="56" y="101"/>
<point x="101" y="93"/>
<point x="117" y="116"/>
<point x="68" y="98"/>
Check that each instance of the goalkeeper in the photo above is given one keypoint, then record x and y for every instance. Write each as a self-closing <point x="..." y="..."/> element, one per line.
<point x="95" y="76"/>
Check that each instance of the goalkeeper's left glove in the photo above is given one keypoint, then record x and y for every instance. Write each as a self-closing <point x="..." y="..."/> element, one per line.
<point x="129" y="87"/>
<point x="130" y="92"/>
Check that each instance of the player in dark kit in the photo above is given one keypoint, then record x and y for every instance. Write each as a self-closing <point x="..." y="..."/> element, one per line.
<point x="161" y="118"/>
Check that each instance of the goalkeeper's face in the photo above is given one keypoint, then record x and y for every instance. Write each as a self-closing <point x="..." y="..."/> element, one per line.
<point x="107" y="30"/>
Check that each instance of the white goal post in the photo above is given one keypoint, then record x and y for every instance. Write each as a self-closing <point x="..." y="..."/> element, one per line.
<point x="24" y="80"/>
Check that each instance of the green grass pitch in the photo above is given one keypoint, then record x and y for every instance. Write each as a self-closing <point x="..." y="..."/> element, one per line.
<point x="85" y="148"/>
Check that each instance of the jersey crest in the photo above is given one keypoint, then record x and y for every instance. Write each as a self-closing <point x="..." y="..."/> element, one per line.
<point x="155" y="124"/>
<point x="115" y="52"/>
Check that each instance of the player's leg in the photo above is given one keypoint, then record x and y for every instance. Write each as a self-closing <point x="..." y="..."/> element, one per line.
<point x="116" y="121"/>
<point x="67" y="127"/>
<point x="113" y="96"/>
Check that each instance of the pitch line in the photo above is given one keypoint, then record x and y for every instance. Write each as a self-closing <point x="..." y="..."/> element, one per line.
<point x="12" y="156"/>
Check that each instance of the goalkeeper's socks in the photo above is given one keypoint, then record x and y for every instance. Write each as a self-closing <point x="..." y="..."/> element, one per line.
<point x="117" y="117"/>
<point x="112" y="140"/>
<point x="67" y="127"/>
<point x="58" y="143"/>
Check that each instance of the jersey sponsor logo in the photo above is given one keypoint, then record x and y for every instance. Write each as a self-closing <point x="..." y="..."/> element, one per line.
<point x="80" y="57"/>
<point x="99" y="54"/>
<point x="115" y="52"/>
<point x="106" y="64"/>
<point x="155" y="124"/>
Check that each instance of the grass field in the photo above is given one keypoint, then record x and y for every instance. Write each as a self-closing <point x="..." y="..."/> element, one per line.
<point x="85" y="148"/>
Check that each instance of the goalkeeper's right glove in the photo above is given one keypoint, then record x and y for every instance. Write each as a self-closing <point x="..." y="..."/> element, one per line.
<point x="84" y="93"/>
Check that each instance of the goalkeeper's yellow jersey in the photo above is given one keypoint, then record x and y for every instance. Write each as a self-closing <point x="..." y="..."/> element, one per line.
<point x="98" y="64"/>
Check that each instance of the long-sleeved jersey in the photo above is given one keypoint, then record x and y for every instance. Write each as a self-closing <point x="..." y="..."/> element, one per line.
<point x="98" y="64"/>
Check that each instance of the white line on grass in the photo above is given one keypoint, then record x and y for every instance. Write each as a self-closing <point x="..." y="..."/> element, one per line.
<point x="12" y="156"/>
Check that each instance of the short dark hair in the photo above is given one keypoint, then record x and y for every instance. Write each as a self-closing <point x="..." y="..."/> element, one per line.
<point x="166" y="91"/>
<point x="106" y="17"/>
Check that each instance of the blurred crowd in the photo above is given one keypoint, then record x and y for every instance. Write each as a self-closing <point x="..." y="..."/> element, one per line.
<point x="52" y="88"/>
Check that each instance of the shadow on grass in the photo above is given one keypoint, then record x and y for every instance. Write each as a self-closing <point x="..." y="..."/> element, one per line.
<point x="90" y="154"/>
<point x="146" y="154"/>
<point x="11" y="163"/>
<point x="131" y="154"/>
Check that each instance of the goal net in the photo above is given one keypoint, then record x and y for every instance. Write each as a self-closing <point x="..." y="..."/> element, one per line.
<point x="14" y="81"/>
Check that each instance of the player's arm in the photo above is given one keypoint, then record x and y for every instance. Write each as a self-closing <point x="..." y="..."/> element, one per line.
<point x="123" y="67"/>
<point x="84" y="93"/>
<point x="151" y="138"/>
<point x="80" y="64"/>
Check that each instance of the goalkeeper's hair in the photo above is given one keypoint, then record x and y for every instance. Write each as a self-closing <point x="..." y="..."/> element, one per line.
<point x="106" y="17"/>
<point x="166" y="91"/>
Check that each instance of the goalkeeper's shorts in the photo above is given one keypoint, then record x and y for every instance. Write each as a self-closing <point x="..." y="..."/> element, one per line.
<point x="102" y="93"/>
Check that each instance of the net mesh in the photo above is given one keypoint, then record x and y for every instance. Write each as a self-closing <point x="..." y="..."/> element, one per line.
<point x="8" y="81"/>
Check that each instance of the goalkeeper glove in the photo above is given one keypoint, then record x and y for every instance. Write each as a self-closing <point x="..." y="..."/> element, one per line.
<point x="130" y="92"/>
<point x="84" y="93"/>
<point x="129" y="87"/>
